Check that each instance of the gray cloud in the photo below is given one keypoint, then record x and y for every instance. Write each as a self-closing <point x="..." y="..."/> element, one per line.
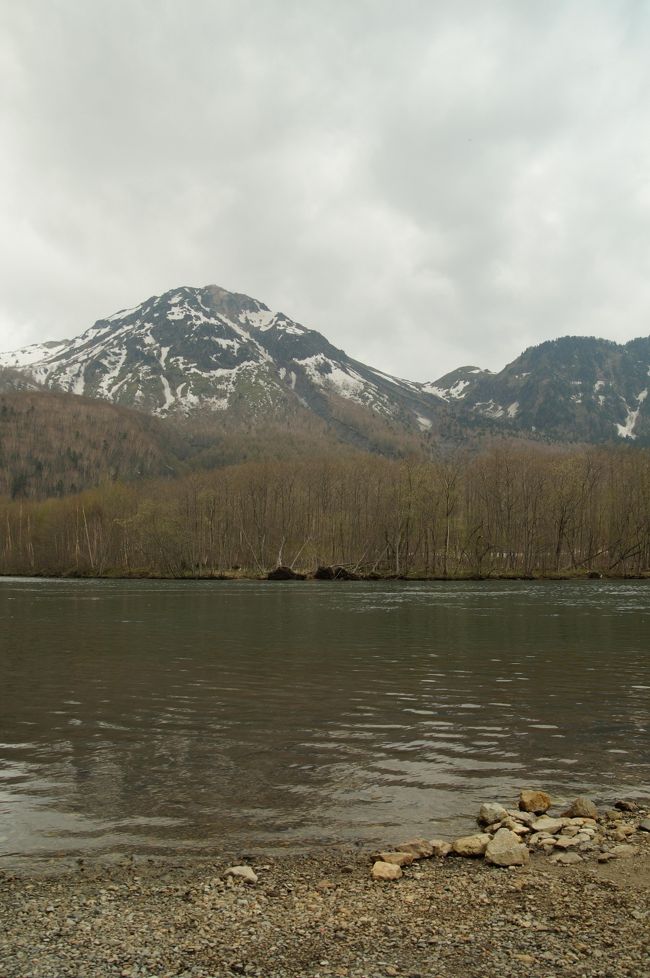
<point x="428" y="184"/>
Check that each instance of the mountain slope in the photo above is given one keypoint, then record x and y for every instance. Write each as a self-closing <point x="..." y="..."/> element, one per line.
<point x="196" y="349"/>
<point x="571" y="389"/>
<point x="224" y="359"/>
<point x="52" y="444"/>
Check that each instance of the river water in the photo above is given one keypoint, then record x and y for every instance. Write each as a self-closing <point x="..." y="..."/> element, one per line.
<point x="158" y="717"/>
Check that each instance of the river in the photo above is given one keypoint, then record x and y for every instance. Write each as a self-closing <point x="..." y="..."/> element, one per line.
<point x="167" y="717"/>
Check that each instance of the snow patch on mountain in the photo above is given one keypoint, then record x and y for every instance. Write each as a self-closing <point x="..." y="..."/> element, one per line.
<point x="489" y="409"/>
<point x="29" y="355"/>
<point x="626" y="430"/>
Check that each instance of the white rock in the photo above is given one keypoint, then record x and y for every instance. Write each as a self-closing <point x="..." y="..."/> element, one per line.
<point x="244" y="873"/>
<point x="582" y="808"/>
<point x="567" y="842"/>
<point x="526" y="817"/>
<point x="396" y="858"/>
<point x="505" y="849"/>
<point x="419" y="848"/>
<point x="440" y="847"/>
<point x="566" y="858"/>
<point x="624" y="851"/>
<point x="547" y="824"/>
<point x="386" y="871"/>
<point x="517" y="827"/>
<point x="491" y="813"/>
<point x="471" y="845"/>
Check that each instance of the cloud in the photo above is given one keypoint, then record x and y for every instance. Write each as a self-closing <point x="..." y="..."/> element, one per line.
<point x="428" y="185"/>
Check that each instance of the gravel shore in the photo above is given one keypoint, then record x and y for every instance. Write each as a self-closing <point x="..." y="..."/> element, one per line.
<point x="323" y="915"/>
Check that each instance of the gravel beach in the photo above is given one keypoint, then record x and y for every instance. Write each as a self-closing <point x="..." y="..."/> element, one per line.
<point x="323" y="915"/>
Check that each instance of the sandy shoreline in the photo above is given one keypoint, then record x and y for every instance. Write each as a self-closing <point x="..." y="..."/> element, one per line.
<point x="322" y="915"/>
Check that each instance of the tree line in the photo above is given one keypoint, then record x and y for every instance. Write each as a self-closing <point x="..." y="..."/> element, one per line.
<point x="510" y="510"/>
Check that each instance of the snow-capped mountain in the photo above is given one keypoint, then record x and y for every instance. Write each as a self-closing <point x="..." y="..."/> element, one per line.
<point x="194" y="351"/>
<point x="571" y="389"/>
<point x="197" y="348"/>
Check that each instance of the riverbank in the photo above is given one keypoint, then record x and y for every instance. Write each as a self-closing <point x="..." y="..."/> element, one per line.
<point x="313" y="576"/>
<point x="323" y="915"/>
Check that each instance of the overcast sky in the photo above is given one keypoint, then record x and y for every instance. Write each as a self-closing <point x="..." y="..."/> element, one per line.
<point x="429" y="184"/>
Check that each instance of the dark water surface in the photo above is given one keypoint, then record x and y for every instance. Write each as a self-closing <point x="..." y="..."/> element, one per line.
<point x="149" y="716"/>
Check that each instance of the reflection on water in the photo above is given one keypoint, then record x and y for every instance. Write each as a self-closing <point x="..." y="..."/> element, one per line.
<point x="155" y="715"/>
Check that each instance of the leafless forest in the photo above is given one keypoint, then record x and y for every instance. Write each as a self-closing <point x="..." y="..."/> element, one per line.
<point x="510" y="510"/>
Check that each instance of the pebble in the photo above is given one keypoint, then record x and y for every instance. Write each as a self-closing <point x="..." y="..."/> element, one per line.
<point x="322" y="915"/>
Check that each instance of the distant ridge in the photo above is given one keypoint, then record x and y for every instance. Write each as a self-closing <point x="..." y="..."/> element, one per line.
<point x="195" y="352"/>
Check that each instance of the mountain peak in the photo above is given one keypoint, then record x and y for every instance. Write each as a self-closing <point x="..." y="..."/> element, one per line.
<point x="196" y="349"/>
<point x="205" y="349"/>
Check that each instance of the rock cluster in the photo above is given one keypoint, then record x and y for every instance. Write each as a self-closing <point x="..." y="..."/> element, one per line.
<point x="508" y="836"/>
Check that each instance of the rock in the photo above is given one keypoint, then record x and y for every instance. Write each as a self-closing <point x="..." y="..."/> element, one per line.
<point x="624" y="851"/>
<point x="491" y="813"/>
<point x="282" y="573"/>
<point x="566" y="858"/>
<point x="526" y="818"/>
<point x="620" y="834"/>
<point x="570" y="830"/>
<point x="626" y="806"/>
<point x="567" y="842"/>
<point x="396" y="858"/>
<point x="324" y="574"/>
<point x="581" y="808"/>
<point x="334" y="574"/>
<point x="534" y="801"/>
<point x="644" y="826"/>
<point x="538" y="839"/>
<point x="419" y="848"/>
<point x="440" y="848"/>
<point x="244" y="873"/>
<point x="343" y="574"/>
<point x="386" y="871"/>
<point x="505" y="849"/>
<point x="471" y="845"/>
<point x="548" y="824"/>
<point x="517" y="827"/>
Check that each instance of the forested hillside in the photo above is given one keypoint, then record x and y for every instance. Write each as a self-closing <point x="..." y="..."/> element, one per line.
<point x="54" y="444"/>
<point x="510" y="510"/>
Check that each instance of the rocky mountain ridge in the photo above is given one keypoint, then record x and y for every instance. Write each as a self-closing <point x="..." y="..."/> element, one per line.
<point x="196" y="351"/>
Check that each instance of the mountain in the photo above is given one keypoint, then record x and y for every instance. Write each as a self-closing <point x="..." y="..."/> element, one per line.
<point x="223" y="358"/>
<point x="196" y="349"/>
<point x="571" y="389"/>
<point x="15" y="380"/>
